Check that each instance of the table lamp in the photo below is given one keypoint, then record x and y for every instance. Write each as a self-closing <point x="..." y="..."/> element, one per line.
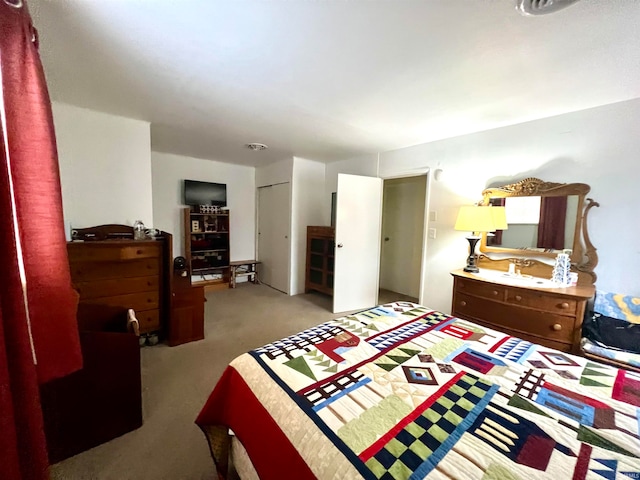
<point x="479" y="219"/>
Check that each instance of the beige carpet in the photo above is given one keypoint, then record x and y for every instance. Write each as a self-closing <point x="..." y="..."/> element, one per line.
<point x="176" y="382"/>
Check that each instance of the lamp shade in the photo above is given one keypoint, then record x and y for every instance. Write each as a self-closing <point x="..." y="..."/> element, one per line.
<point x="473" y="218"/>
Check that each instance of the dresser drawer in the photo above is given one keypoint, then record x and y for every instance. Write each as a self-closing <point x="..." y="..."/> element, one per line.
<point x="101" y="252"/>
<point x="481" y="289"/>
<point x="498" y="315"/>
<point x="149" y="320"/>
<point x="137" y="301"/>
<point x="116" y="286"/>
<point x="86" y="271"/>
<point x="541" y="301"/>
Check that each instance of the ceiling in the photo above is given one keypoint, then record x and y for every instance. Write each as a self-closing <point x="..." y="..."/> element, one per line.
<point x="332" y="79"/>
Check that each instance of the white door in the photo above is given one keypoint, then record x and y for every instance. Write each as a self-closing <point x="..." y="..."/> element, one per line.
<point x="273" y="236"/>
<point x="357" y="253"/>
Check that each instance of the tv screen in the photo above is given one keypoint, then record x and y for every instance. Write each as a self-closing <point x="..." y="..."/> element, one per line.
<point x="205" y="193"/>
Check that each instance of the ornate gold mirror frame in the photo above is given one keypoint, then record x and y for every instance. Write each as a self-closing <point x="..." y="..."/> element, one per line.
<point x="583" y="257"/>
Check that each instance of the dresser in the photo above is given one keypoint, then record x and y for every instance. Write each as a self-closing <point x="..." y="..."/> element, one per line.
<point x="122" y="274"/>
<point x="548" y="316"/>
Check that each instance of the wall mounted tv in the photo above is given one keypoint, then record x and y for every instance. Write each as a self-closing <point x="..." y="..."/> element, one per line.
<point x="205" y="193"/>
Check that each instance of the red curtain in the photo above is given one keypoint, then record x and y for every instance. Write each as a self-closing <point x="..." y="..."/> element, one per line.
<point x="38" y="330"/>
<point x="496" y="238"/>
<point x="553" y="213"/>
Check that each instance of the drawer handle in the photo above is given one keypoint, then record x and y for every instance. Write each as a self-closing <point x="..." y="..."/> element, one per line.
<point x="463" y="303"/>
<point x="518" y="298"/>
<point x="138" y="252"/>
<point x="564" y="305"/>
<point x="557" y="327"/>
<point x="495" y="292"/>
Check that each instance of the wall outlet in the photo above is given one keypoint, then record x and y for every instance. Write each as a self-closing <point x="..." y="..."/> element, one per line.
<point x="432" y="233"/>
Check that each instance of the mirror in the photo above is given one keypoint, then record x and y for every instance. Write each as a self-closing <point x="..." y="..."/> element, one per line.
<point x="544" y="218"/>
<point x="537" y="224"/>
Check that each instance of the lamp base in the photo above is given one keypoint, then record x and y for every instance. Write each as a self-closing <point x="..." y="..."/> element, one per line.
<point x="471" y="261"/>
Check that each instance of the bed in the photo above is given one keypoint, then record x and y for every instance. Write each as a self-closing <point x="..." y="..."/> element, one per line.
<point x="404" y="392"/>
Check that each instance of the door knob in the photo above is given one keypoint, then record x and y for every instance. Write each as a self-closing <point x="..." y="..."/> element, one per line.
<point x="339" y="245"/>
<point x="386" y="239"/>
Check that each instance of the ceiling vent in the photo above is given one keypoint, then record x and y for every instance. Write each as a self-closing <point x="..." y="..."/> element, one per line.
<point x="256" y="147"/>
<point x="542" y="7"/>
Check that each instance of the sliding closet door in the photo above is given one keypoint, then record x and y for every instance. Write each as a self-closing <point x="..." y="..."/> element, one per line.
<point x="273" y="235"/>
<point x="357" y="253"/>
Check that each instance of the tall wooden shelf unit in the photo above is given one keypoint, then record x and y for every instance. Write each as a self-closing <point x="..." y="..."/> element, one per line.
<point x="206" y="247"/>
<point x="320" y="257"/>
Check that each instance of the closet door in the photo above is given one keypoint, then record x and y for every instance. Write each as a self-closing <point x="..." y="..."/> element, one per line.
<point x="273" y="235"/>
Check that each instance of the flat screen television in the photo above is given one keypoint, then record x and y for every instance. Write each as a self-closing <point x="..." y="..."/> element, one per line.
<point x="205" y="193"/>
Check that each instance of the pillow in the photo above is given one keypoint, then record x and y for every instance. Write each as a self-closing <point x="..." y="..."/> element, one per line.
<point x="612" y="332"/>
<point x="622" y="307"/>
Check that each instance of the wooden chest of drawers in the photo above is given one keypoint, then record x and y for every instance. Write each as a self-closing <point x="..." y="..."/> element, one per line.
<point x="548" y="316"/>
<point x="122" y="274"/>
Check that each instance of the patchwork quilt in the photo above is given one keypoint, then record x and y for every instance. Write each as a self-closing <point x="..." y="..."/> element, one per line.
<point x="404" y="392"/>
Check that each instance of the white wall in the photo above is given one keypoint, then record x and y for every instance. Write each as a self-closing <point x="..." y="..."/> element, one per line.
<point x="105" y="167"/>
<point x="308" y="195"/>
<point x="596" y="146"/>
<point x="278" y="172"/>
<point x="168" y="172"/>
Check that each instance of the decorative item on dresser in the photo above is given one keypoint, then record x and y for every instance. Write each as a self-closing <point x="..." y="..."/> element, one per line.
<point x="206" y="247"/>
<point x="548" y="316"/>
<point x="320" y="258"/>
<point x="110" y="269"/>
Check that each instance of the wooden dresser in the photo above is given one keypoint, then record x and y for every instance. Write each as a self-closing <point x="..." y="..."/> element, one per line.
<point x="123" y="274"/>
<point x="548" y="316"/>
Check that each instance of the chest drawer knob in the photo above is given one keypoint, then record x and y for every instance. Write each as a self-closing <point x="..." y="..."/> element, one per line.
<point x="495" y="293"/>
<point x="518" y="298"/>
<point x="463" y="303"/>
<point x="557" y="327"/>
<point x="564" y="305"/>
<point x="138" y="252"/>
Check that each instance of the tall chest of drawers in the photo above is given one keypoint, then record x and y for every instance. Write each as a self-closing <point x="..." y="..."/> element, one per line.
<point x="122" y="274"/>
<point x="548" y="316"/>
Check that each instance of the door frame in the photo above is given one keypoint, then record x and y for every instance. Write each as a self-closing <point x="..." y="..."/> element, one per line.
<point x="426" y="171"/>
<point x="257" y="230"/>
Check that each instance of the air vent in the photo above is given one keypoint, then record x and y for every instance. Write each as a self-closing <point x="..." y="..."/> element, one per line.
<point x="542" y="7"/>
<point x="256" y="146"/>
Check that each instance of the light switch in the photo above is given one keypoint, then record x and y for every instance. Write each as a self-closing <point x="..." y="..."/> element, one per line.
<point x="432" y="233"/>
<point x="433" y="216"/>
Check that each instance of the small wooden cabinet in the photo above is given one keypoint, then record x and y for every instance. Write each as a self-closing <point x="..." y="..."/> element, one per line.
<point x="206" y="247"/>
<point x="548" y="316"/>
<point x="187" y="310"/>
<point x="320" y="259"/>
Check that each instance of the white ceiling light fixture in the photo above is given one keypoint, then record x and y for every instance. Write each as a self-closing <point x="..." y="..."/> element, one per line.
<point x="542" y="7"/>
<point x="256" y="147"/>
